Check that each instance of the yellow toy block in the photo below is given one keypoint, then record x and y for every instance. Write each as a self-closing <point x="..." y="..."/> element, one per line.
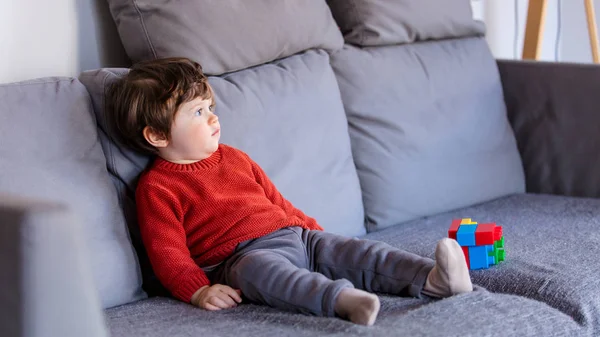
<point x="467" y="221"/>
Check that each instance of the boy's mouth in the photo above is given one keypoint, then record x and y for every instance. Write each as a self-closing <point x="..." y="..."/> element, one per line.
<point x="216" y="132"/>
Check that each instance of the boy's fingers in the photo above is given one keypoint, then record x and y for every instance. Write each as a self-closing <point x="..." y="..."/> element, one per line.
<point x="233" y="294"/>
<point x="218" y="302"/>
<point x="227" y="299"/>
<point x="237" y="295"/>
<point x="211" y="307"/>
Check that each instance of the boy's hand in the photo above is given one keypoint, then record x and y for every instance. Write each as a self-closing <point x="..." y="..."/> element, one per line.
<point x="216" y="297"/>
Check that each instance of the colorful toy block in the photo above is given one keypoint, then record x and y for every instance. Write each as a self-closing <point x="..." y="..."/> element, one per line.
<point x="479" y="257"/>
<point x="487" y="234"/>
<point x="454" y="228"/>
<point x="482" y="244"/>
<point x="466" y="235"/>
<point x="466" y="252"/>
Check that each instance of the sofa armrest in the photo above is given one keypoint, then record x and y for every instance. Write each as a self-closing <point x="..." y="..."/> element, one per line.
<point x="554" y="109"/>
<point x="46" y="285"/>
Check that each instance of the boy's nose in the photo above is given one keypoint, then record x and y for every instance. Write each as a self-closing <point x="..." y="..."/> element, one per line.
<point x="213" y="119"/>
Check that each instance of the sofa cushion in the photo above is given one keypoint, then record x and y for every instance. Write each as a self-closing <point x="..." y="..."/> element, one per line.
<point x="480" y="313"/>
<point x="224" y="36"/>
<point x="289" y="117"/>
<point x="555" y="120"/>
<point x="124" y="167"/>
<point x="384" y="22"/>
<point x="428" y="127"/>
<point x="552" y="245"/>
<point x="50" y="150"/>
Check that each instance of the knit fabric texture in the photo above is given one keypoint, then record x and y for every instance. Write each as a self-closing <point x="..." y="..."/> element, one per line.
<point x="194" y="215"/>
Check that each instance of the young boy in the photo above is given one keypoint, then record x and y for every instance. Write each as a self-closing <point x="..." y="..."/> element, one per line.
<point x="215" y="227"/>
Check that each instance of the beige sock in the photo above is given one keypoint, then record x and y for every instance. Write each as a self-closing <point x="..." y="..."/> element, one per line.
<point x="357" y="306"/>
<point x="450" y="275"/>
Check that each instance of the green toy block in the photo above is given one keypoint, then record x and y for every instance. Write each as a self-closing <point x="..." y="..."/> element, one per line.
<point x="501" y="255"/>
<point x="499" y="243"/>
<point x="498" y="252"/>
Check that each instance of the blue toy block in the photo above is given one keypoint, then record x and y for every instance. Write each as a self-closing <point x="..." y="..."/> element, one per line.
<point x="479" y="258"/>
<point x="466" y="235"/>
<point x="491" y="254"/>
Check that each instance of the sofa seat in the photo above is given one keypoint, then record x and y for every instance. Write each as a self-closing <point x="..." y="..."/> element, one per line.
<point x="548" y="285"/>
<point x="552" y="248"/>
<point x="480" y="313"/>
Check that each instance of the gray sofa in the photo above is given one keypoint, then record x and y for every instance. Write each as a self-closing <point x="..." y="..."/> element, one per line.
<point x="383" y="119"/>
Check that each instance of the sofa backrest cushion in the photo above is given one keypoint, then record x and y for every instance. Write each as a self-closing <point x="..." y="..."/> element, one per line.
<point x="224" y="36"/>
<point x="49" y="149"/>
<point x="288" y="116"/>
<point x="428" y="127"/>
<point x="385" y="22"/>
<point x="124" y="167"/>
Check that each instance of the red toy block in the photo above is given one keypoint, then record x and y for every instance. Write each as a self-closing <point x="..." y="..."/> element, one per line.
<point x="497" y="233"/>
<point x="487" y="234"/>
<point x="454" y="229"/>
<point x="466" y="252"/>
<point x="484" y="235"/>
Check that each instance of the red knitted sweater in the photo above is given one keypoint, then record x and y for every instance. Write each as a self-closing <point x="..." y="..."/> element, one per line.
<point x="194" y="215"/>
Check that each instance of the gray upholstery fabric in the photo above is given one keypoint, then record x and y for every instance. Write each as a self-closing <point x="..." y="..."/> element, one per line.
<point x="554" y="110"/>
<point x="124" y="166"/>
<point x="477" y="314"/>
<point x="224" y="36"/>
<point x="385" y="22"/>
<point x="47" y="284"/>
<point x="552" y="248"/>
<point x="428" y="128"/>
<point x="49" y="149"/>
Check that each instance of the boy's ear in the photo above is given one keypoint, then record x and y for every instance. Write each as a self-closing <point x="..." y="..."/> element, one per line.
<point x="154" y="138"/>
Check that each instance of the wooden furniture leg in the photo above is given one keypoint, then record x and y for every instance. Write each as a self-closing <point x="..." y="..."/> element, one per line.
<point x="534" y="31"/>
<point x="592" y="29"/>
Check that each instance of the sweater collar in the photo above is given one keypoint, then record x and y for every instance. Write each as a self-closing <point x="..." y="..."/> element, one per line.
<point x="203" y="164"/>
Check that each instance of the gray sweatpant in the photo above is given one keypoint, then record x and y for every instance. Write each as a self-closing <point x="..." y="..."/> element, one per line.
<point x="304" y="271"/>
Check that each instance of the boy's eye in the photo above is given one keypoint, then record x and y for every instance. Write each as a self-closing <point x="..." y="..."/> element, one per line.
<point x="198" y="113"/>
<point x="211" y="108"/>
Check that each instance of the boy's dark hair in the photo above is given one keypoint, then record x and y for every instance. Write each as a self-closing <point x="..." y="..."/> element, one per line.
<point x="149" y="95"/>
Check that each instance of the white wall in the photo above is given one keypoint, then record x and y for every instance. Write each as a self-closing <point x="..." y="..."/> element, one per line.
<point x="38" y="41"/>
<point x="575" y="42"/>
<point x="41" y="38"/>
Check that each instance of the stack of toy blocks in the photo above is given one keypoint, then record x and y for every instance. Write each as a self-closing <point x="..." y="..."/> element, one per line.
<point x="483" y="244"/>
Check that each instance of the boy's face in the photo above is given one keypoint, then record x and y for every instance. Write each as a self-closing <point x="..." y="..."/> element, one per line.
<point x="195" y="133"/>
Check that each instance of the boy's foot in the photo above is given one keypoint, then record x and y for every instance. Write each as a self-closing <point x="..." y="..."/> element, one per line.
<point x="450" y="275"/>
<point x="357" y="306"/>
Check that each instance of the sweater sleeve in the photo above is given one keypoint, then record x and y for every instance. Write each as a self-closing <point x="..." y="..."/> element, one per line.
<point x="276" y="198"/>
<point x="160" y="219"/>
